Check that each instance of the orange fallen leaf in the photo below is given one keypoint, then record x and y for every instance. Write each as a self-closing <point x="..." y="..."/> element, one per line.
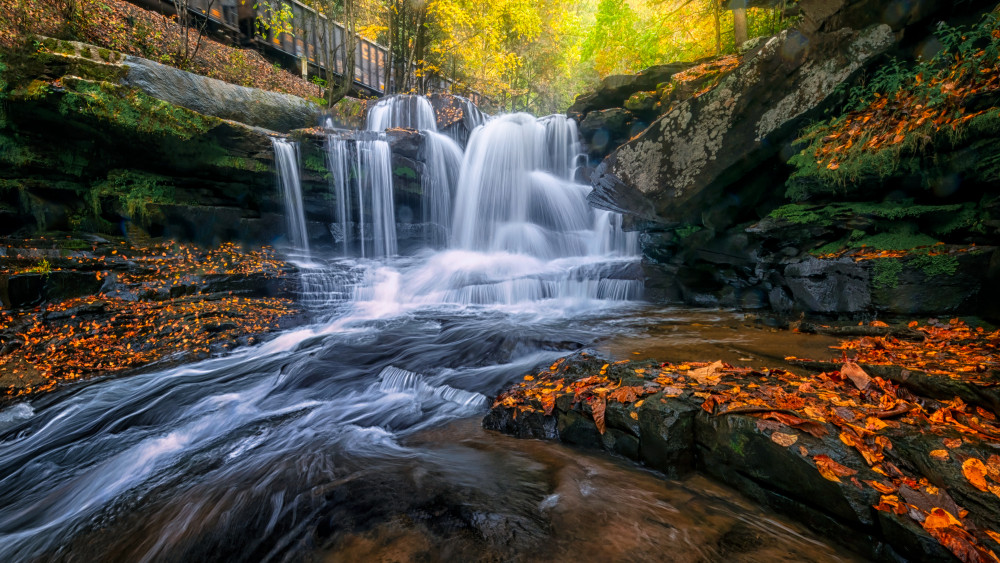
<point x="940" y="454"/>
<point x="598" y="407"/>
<point x="783" y="439"/>
<point x="857" y="375"/>
<point x="975" y="471"/>
<point x="940" y="518"/>
<point x="881" y="487"/>
<point x="830" y="469"/>
<point x="952" y="443"/>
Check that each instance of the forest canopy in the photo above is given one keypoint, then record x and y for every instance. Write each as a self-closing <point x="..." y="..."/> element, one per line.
<point x="535" y="55"/>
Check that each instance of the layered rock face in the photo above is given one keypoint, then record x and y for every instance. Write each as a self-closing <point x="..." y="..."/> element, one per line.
<point x="142" y="145"/>
<point x="708" y="181"/>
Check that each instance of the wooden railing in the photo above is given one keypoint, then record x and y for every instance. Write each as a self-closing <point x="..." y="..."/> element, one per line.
<point x="312" y="35"/>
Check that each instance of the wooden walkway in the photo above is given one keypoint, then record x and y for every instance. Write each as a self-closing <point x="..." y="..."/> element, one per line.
<point x="312" y="34"/>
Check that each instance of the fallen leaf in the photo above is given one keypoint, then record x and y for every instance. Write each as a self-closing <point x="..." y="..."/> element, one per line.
<point x="881" y="487"/>
<point x="812" y="427"/>
<point x="598" y="407"/>
<point x="784" y="439"/>
<point x="803" y="451"/>
<point x="975" y="471"/>
<point x="952" y="443"/>
<point x="708" y="372"/>
<point x="940" y="454"/>
<point x="634" y="415"/>
<point x="940" y="518"/>
<point x="993" y="535"/>
<point x="857" y="375"/>
<point x="831" y="470"/>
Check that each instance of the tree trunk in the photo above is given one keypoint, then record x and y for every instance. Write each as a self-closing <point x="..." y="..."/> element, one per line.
<point x="718" y="27"/>
<point x="350" y="48"/>
<point x="740" y="26"/>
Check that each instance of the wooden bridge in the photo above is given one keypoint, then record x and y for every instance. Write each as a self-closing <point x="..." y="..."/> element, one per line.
<point x="312" y="36"/>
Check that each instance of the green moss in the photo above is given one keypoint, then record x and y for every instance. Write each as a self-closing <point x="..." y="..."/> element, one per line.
<point x="797" y="214"/>
<point x="105" y="54"/>
<point x="939" y="265"/>
<point x="900" y="240"/>
<point x="14" y="153"/>
<point x="686" y="231"/>
<point x="885" y="273"/>
<point x="240" y="163"/>
<point x="830" y="248"/>
<point x="315" y="163"/>
<point x="133" y="110"/>
<point x="135" y="192"/>
<point x="405" y="172"/>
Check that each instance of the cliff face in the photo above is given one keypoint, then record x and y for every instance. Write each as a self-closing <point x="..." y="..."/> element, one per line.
<point x="741" y="203"/>
<point x="95" y="141"/>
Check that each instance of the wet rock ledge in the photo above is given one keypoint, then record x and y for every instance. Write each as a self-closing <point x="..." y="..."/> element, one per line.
<point x="866" y="461"/>
<point x="79" y="308"/>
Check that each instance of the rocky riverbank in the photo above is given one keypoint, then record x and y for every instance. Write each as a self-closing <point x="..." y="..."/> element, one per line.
<point x="76" y="308"/>
<point x="902" y="465"/>
<point x="845" y="168"/>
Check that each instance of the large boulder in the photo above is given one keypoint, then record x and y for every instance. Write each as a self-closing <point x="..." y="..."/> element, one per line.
<point x="208" y="96"/>
<point x="682" y="163"/>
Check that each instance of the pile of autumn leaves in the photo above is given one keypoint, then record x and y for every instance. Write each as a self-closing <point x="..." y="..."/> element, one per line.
<point x="99" y="335"/>
<point x="931" y="101"/>
<point x="865" y="412"/>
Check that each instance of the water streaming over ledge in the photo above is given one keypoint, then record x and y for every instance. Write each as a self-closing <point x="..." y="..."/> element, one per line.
<point x="286" y="159"/>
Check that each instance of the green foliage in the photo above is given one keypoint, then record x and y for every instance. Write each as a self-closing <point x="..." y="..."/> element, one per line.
<point x="885" y="273"/>
<point x="687" y="230"/>
<point x="938" y="265"/>
<point x="43" y="267"/>
<point x="133" y="110"/>
<point x="134" y="191"/>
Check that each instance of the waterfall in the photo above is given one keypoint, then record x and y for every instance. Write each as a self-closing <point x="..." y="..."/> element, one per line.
<point x="518" y="196"/>
<point x="409" y="111"/>
<point x="286" y="158"/>
<point x="374" y="173"/>
<point x="439" y="182"/>
<point x="338" y="164"/>
<point x="361" y="175"/>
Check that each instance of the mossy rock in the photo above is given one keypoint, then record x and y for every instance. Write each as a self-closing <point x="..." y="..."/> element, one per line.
<point x="132" y="110"/>
<point x="641" y="102"/>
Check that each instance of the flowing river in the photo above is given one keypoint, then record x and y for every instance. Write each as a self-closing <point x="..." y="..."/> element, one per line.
<point x="357" y="438"/>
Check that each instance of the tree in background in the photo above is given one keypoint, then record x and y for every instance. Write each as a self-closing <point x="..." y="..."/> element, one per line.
<point x="192" y="29"/>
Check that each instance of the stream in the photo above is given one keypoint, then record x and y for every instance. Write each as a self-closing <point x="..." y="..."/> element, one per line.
<point x="357" y="437"/>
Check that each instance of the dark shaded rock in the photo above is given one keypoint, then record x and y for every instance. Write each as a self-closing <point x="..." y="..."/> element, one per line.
<point x="827" y="286"/>
<point x="61" y="285"/>
<point x="602" y="130"/>
<point x="666" y="436"/>
<point x="21" y="290"/>
<point x="918" y="289"/>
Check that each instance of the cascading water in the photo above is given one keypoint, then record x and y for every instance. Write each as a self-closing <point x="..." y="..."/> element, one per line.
<point x="361" y="176"/>
<point x="286" y="158"/>
<point x="409" y="111"/>
<point x="242" y="457"/>
<point x="439" y="182"/>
